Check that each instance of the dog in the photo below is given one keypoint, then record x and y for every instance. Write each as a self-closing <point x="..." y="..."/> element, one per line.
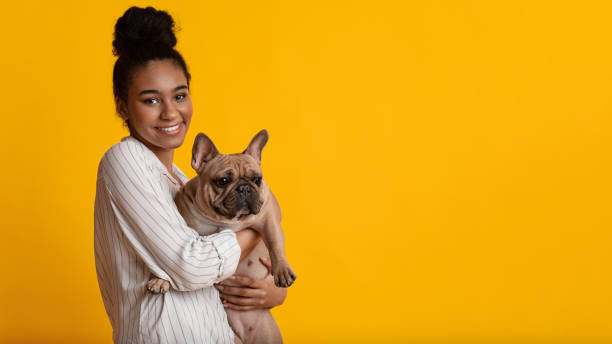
<point x="230" y="192"/>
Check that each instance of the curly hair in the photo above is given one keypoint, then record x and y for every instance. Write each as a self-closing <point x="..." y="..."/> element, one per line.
<point x="142" y="35"/>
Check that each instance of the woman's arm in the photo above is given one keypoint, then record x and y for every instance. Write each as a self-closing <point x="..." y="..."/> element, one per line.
<point x="247" y="239"/>
<point x="252" y="293"/>
<point x="156" y="232"/>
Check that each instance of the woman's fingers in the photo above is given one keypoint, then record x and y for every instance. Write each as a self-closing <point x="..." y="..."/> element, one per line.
<point x="246" y="293"/>
<point x="242" y="301"/>
<point x="242" y="280"/>
<point x="241" y="291"/>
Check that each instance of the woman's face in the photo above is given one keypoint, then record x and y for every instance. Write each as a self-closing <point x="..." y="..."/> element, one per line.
<point x="159" y="106"/>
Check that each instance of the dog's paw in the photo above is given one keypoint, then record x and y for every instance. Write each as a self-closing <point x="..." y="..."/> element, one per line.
<point x="283" y="274"/>
<point x="158" y="285"/>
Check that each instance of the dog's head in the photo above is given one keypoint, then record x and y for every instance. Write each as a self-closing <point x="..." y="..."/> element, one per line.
<point x="231" y="184"/>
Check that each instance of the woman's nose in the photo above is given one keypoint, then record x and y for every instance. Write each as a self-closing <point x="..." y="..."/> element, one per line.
<point x="169" y="111"/>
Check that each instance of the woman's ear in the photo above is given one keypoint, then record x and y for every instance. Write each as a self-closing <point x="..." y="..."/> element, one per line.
<point x="121" y="108"/>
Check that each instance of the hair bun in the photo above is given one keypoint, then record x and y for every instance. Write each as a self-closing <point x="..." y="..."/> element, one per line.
<point x="143" y="28"/>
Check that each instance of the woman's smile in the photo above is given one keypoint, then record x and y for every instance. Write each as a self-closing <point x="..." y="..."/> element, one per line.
<point x="159" y="107"/>
<point x="171" y="130"/>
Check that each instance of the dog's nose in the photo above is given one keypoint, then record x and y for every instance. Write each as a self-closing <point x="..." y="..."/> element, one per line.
<point x="244" y="188"/>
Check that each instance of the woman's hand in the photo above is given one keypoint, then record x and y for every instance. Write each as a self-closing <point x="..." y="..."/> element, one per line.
<point x="252" y="293"/>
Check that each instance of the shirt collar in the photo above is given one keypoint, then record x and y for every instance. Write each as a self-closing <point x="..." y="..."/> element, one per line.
<point x="158" y="164"/>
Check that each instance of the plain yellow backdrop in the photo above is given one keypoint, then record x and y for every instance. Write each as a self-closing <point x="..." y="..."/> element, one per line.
<point x="443" y="167"/>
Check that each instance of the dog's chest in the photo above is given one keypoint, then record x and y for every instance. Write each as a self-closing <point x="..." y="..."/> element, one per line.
<point x="205" y="227"/>
<point x="202" y="224"/>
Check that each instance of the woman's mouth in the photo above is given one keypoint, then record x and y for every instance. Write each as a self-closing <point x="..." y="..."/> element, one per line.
<point x="172" y="130"/>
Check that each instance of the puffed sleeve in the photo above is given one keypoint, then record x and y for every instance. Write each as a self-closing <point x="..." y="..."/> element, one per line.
<point x="153" y="226"/>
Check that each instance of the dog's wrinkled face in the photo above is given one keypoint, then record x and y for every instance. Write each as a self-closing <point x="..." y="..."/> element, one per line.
<point x="234" y="185"/>
<point x="230" y="184"/>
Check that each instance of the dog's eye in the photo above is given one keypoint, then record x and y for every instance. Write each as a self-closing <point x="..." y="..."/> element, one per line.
<point x="257" y="180"/>
<point x="221" y="182"/>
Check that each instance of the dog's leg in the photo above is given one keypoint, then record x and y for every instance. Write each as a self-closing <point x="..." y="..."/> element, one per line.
<point x="274" y="238"/>
<point x="157" y="285"/>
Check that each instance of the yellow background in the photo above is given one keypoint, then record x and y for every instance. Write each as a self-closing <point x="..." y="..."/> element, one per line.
<point x="443" y="166"/>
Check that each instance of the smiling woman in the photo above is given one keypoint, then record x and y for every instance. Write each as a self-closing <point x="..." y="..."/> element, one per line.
<point x="158" y="109"/>
<point x="138" y="231"/>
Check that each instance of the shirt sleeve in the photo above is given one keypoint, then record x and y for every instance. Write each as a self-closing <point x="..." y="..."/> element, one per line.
<point x="153" y="226"/>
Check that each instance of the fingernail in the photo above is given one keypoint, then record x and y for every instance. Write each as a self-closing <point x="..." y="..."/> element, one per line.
<point x="219" y="287"/>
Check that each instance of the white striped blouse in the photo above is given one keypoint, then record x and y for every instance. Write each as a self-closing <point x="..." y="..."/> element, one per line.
<point x="138" y="231"/>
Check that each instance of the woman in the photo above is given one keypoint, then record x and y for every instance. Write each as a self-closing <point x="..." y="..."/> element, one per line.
<point x="138" y="231"/>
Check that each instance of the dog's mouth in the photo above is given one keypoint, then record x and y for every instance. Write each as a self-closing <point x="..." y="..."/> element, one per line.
<point x="239" y="217"/>
<point x="219" y="211"/>
<point x="244" y="211"/>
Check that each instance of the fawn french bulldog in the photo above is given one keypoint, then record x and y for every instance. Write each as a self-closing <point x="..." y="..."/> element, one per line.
<point x="230" y="192"/>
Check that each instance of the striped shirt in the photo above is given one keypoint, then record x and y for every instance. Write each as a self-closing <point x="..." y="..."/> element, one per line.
<point x="139" y="232"/>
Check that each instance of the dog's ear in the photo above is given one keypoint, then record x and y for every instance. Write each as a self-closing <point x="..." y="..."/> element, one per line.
<point x="203" y="151"/>
<point x="257" y="144"/>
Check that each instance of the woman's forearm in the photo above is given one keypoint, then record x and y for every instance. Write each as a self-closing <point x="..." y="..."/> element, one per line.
<point x="247" y="240"/>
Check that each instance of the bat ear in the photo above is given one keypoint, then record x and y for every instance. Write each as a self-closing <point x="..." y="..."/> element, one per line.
<point x="203" y="151"/>
<point x="257" y="144"/>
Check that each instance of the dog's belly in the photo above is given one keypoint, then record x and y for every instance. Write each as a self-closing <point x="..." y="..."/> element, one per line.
<point x="251" y="266"/>
<point x="258" y="325"/>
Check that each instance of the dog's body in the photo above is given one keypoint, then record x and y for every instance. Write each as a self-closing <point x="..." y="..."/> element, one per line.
<point x="254" y="326"/>
<point x="229" y="192"/>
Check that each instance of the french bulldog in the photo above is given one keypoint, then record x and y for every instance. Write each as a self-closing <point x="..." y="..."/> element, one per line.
<point x="230" y="192"/>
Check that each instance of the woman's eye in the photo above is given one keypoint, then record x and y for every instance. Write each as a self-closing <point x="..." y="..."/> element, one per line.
<point x="181" y="96"/>
<point x="150" y="100"/>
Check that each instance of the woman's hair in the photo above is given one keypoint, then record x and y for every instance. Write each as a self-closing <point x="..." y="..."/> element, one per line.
<point x="142" y="35"/>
